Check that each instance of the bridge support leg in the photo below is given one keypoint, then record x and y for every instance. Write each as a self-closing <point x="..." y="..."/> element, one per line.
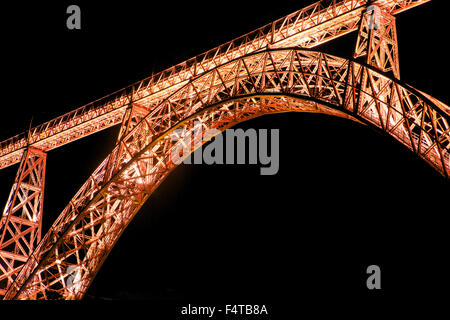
<point x="21" y="221"/>
<point x="133" y="115"/>
<point x="377" y="40"/>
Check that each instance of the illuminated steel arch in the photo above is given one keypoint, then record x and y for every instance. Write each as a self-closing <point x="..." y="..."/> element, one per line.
<point x="269" y="81"/>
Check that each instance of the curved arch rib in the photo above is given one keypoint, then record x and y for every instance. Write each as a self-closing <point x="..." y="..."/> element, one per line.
<point x="309" y="27"/>
<point x="276" y="80"/>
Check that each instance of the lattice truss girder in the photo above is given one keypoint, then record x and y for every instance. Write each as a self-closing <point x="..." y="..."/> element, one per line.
<point x="309" y="27"/>
<point x="274" y="80"/>
<point x="20" y="223"/>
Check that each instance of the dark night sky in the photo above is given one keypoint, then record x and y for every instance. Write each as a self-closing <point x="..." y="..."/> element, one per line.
<point x="345" y="197"/>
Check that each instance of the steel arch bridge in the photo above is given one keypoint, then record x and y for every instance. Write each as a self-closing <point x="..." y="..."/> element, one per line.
<point x="271" y="70"/>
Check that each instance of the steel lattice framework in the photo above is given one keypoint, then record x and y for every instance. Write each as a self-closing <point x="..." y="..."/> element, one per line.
<point x="20" y="223"/>
<point x="260" y="73"/>
<point x="307" y="28"/>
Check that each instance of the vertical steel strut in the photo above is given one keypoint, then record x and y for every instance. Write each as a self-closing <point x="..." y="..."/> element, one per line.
<point x="21" y="221"/>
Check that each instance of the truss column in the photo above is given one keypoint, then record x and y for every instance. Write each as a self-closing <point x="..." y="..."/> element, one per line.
<point x="132" y="116"/>
<point x="376" y="43"/>
<point x="21" y="221"/>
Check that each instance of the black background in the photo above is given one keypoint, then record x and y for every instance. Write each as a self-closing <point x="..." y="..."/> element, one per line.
<point x="345" y="197"/>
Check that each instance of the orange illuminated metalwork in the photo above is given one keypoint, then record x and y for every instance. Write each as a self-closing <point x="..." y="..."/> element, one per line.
<point x="306" y="28"/>
<point x="270" y="70"/>
<point x="21" y="221"/>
